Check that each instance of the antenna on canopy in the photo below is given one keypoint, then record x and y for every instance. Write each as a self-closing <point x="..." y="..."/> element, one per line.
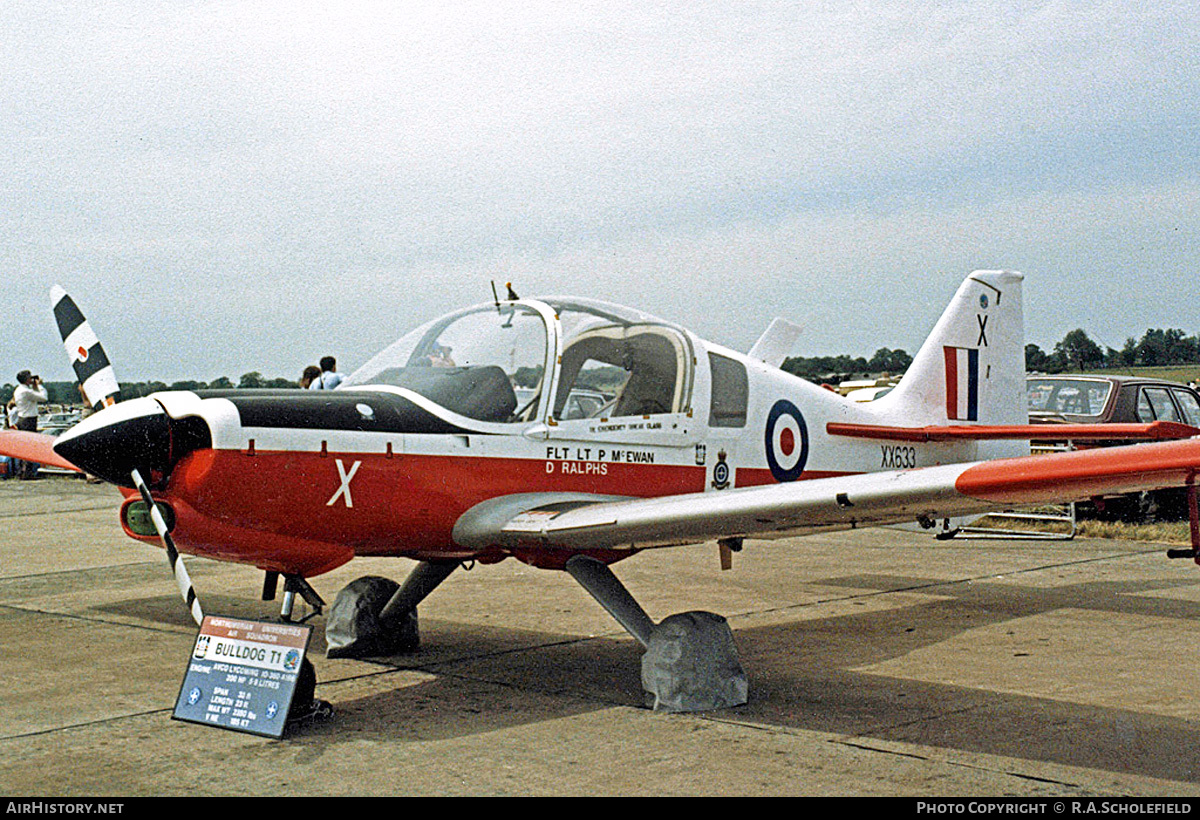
<point x="495" y="296"/>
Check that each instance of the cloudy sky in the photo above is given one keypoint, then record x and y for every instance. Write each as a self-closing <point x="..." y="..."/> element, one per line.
<point x="236" y="186"/>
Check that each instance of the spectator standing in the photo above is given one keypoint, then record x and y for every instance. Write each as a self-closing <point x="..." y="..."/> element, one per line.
<point x="27" y="396"/>
<point x="9" y="419"/>
<point x="329" y="377"/>
<point x="310" y="375"/>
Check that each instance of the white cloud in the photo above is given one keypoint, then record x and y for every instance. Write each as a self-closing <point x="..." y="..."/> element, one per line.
<point x="237" y="165"/>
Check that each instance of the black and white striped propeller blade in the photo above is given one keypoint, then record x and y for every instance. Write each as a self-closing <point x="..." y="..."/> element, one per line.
<point x="182" y="580"/>
<point x="87" y="356"/>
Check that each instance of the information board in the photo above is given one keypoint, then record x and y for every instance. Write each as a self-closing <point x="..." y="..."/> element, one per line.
<point x="242" y="675"/>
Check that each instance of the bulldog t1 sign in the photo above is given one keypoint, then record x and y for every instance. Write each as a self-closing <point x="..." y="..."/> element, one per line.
<point x="242" y="675"/>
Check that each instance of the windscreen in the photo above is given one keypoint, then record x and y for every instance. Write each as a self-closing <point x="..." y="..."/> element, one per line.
<point x="474" y="363"/>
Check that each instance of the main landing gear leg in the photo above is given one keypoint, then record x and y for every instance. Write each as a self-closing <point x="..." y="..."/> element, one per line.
<point x="375" y="616"/>
<point x="601" y="584"/>
<point x="690" y="664"/>
<point x="424" y="579"/>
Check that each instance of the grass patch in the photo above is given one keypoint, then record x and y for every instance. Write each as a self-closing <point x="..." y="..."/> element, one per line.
<point x="1182" y="373"/>
<point x="1168" y="532"/>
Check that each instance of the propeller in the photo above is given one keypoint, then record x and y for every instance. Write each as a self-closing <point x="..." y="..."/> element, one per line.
<point x="182" y="579"/>
<point x="103" y="440"/>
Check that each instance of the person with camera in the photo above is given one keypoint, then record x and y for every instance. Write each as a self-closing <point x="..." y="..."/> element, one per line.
<point x="28" y="394"/>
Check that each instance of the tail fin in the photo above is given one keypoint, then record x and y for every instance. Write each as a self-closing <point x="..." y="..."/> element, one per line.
<point x="87" y="356"/>
<point x="971" y="369"/>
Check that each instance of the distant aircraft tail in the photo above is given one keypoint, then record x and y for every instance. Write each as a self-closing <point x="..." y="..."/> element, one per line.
<point x="87" y="356"/>
<point x="971" y="369"/>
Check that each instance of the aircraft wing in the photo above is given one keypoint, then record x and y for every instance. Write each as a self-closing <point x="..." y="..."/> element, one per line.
<point x="1156" y="430"/>
<point x="846" y="502"/>
<point x="32" y="447"/>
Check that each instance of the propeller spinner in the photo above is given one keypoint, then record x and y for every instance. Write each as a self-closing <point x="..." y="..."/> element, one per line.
<point x="115" y="441"/>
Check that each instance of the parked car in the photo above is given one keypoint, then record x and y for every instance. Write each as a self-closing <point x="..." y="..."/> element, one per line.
<point x="1114" y="400"/>
<point x="581" y="404"/>
<point x="52" y="424"/>
<point x="1110" y="399"/>
<point x="586" y="404"/>
<point x="863" y="394"/>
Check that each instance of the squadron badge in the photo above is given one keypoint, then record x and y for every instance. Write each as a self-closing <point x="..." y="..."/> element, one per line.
<point x="720" y="472"/>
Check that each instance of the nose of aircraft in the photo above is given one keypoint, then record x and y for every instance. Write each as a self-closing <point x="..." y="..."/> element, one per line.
<point x="111" y="443"/>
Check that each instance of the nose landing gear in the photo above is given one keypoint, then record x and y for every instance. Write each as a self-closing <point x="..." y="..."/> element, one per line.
<point x="292" y="584"/>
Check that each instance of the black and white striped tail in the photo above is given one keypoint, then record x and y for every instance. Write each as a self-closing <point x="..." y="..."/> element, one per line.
<point x="91" y="364"/>
<point x="182" y="580"/>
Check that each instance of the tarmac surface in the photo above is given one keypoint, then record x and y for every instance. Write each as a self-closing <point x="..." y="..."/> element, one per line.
<point x="880" y="663"/>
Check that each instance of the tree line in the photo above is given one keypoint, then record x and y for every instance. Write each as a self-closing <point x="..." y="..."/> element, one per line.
<point x="835" y="369"/>
<point x="68" y="392"/>
<point x="1078" y="351"/>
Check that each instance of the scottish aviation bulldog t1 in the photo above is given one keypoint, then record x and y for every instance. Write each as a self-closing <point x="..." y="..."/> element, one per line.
<point x="570" y="434"/>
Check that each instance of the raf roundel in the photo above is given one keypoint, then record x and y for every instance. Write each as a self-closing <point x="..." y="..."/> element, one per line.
<point x="786" y="441"/>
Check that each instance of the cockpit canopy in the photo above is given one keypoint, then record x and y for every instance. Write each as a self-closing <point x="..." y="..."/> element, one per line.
<point x="490" y="363"/>
<point x="469" y="362"/>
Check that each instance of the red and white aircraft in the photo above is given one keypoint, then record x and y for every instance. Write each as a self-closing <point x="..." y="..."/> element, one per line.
<point x="571" y="434"/>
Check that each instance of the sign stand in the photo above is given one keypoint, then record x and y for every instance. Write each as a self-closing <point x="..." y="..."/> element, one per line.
<point x="244" y="675"/>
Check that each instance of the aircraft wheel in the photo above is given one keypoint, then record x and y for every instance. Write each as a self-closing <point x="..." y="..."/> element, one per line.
<point x="354" y="629"/>
<point x="691" y="665"/>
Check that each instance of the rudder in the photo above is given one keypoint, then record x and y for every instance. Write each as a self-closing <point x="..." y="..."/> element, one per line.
<point x="971" y="368"/>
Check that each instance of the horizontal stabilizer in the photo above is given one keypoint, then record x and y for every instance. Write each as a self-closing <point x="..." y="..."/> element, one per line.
<point x="1154" y="431"/>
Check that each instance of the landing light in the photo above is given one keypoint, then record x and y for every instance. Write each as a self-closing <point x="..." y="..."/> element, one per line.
<point x="136" y="517"/>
